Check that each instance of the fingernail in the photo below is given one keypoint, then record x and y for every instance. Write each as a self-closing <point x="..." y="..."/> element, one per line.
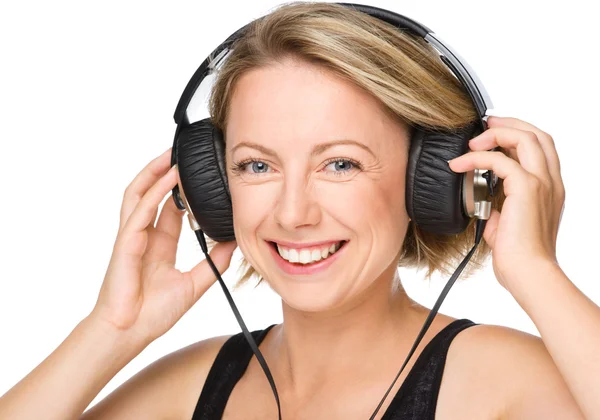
<point x="449" y="164"/>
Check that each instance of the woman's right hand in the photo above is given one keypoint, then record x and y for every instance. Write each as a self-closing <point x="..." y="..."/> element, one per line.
<point x="143" y="294"/>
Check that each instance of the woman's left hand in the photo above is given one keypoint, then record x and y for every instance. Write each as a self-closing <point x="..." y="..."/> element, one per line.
<point x="524" y="233"/>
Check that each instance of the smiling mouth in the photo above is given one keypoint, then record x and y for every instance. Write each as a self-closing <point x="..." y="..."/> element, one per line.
<point x="312" y="261"/>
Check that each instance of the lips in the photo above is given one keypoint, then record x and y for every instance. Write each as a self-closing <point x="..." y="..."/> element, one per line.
<point x="291" y="245"/>
<point x="308" y="255"/>
<point x="298" y="269"/>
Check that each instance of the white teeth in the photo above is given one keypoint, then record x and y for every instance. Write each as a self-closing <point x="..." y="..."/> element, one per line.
<point x="283" y="252"/>
<point x="316" y="255"/>
<point x="305" y="256"/>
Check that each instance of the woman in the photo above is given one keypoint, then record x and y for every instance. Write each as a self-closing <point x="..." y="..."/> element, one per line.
<point x="348" y="326"/>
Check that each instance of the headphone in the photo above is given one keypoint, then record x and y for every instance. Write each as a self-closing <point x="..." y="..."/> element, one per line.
<point x="438" y="200"/>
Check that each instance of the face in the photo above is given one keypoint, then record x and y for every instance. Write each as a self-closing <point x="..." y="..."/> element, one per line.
<point x="311" y="161"/>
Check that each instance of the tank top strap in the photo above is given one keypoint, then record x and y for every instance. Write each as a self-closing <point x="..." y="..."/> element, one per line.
<point x="227" y="369"/>
<point x="415" y="400"/>
<point x="417" y="397"/>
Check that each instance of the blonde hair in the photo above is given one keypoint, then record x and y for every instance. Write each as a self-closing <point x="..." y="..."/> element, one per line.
<point x="399" y="69"/>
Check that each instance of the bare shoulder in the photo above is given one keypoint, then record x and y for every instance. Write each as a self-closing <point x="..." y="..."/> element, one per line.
<point x="167" y="388"/>
<point x="503" y="373"/>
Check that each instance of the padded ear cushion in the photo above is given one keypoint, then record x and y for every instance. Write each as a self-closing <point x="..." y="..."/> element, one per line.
<point x="433" y="190"/>
<point x="203" y="175"/>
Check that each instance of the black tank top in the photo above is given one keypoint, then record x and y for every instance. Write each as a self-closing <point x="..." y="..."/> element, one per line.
<point x="415" y="400"/>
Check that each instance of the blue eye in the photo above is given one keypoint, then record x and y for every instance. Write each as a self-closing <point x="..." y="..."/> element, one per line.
<point x="257" y="166"/>
<point x="343" y="166"/>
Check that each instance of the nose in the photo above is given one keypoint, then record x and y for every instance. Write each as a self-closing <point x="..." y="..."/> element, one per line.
<point x="296" y="205"/>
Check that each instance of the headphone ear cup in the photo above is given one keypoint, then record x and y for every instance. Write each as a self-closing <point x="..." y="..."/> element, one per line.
<point x="434" y="197"/>
<point x="203" y="176"/>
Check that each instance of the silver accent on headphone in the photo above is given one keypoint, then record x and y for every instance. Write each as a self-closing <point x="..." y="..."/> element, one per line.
<point x="216" y="62"/>
<point x="197" y="108"/>
<point x="464" y="72"/>
<point x="475" y="195"/>
<point x="475" y="188"/>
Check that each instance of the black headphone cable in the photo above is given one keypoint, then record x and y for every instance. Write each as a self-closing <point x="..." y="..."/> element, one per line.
<point x="480" y="227"/>
<point x="249" y="338"/>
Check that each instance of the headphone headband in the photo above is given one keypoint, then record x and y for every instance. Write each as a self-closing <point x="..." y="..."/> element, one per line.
<point x="437" y="199"/>
<point x="459" y="67"/>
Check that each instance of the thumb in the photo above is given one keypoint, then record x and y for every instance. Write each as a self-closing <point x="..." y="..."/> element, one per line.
<point x="489" y="234"/>
<point x="202" y="274"/>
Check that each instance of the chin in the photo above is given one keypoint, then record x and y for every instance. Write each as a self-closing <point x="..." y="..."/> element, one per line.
<point x="325" y="290"/>
<point x="311" y="297"/>
<point x="303" y="301"/>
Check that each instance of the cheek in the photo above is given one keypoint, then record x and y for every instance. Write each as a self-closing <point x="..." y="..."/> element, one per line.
<point x="248" y="213"/>
<point x="250" y="204"/>
<point x="368" y="205"/>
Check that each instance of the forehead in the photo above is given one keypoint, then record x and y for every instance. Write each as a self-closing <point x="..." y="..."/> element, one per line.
<point x="300" y="102"/>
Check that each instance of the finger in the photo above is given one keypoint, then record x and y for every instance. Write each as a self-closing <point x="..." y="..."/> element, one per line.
<point x="144" y="213"/>
<point x="202" y="275"/>
<point x="489" y="234"/>
<point x="142" y="183"/>
<point x="170" y="219"/>
<point x="153" y="218"/>
<point x="529" y="152"/>
<point x="546" y="142"/>
<point x="169" y="223"/>
<point x="506" y="168"/>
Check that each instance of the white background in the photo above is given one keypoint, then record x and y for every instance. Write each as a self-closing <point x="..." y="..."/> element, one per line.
<point x="87" y="94"/>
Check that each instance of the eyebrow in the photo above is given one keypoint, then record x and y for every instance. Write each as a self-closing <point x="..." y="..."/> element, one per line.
<point x="317" y="150"/>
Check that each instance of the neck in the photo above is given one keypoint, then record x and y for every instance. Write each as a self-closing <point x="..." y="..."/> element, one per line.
<point x="313" y="348"/>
